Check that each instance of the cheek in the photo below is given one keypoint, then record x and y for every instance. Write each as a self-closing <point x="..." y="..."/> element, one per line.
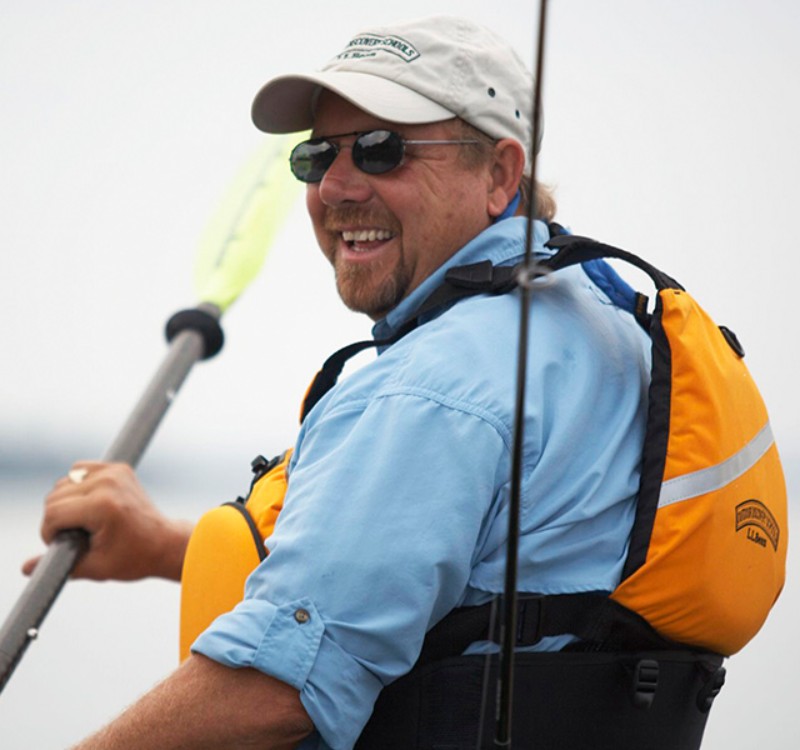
<point x="460" y="213"/>
<point x="468" y="212"/>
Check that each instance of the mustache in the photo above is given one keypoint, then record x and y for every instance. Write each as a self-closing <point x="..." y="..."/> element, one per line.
<point x="343" y="217"/>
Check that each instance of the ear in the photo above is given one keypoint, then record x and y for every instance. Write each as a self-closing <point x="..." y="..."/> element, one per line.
<point x="506" y="173"/>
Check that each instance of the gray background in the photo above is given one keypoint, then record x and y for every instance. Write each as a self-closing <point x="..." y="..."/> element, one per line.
<point x="671" y="130"/>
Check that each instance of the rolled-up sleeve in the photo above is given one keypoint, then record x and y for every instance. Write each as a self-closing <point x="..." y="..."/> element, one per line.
<point x="288" y="636"/>
<point x="388" y="500"/>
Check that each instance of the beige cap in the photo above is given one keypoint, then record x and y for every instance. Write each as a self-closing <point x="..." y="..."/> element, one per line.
<point x="419" y="71"/>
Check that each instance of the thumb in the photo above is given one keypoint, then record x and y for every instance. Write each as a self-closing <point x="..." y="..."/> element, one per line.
<point x="29" y="565"/>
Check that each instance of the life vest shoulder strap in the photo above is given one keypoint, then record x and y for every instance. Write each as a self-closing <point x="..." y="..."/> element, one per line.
<point x="573" y="249"/>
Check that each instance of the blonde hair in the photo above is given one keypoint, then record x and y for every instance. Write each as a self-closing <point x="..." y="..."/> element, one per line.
<point x="545" y="198"/>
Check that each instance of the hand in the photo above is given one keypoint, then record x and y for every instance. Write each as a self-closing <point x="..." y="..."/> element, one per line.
<point x="129" y="537"/>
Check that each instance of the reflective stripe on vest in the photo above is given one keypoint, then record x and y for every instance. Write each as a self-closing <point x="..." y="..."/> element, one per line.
<point x="716" y="477"/>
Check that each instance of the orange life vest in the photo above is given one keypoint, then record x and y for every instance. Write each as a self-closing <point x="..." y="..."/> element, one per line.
<point x="708" y="548"/>
<point x="707" y="554"/>
<point x="226" y="546"/>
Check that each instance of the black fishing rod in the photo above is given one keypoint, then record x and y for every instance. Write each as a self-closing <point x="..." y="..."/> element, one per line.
<point x="526" y="279"/>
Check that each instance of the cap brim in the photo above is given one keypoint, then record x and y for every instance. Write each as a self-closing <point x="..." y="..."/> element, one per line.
<point x="286" y="104"/>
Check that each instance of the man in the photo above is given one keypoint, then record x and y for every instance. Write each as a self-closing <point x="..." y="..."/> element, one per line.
<point x="397" y="501"/>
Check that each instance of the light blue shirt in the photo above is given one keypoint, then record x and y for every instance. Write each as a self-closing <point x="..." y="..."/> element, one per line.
<point x="396" y="510"/>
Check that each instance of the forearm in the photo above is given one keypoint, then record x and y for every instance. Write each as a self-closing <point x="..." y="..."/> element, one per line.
<point x="206" y="705"/>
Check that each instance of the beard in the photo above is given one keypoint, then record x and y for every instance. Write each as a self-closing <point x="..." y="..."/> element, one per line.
<point x="362" y="292"/>
<point x="376" y="287"/>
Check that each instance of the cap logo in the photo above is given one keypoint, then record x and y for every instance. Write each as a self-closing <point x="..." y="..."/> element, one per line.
<point x="369" y="45"/>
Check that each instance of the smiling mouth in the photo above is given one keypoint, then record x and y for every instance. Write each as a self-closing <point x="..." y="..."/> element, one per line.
<point x="366" y="235"/>
<point x="364" y="240"/>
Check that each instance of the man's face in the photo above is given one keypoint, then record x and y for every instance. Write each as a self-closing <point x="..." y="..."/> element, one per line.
<point x="384" y="234"/>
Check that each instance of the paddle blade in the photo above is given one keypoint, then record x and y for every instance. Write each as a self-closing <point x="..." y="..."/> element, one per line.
<point x="239" y="234"/>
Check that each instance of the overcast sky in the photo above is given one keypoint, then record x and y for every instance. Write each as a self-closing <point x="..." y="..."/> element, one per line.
<point x="670" y="130"/>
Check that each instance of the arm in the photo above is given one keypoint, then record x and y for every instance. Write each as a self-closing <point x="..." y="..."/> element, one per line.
<point x="374" y="544"/>
<point x="205" y="705"/>
<point x="130" y="537"/>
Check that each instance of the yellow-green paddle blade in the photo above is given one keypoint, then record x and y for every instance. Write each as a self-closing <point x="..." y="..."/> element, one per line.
<point x="239" y="234"/>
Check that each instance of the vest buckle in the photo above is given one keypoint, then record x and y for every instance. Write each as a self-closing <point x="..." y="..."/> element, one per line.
<point x="645" y="683"/>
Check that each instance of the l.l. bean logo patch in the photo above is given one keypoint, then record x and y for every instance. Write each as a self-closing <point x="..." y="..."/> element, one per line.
<point x="753" y="517"/>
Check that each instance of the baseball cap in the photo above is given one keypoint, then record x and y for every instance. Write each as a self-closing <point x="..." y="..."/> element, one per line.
<point x="424" y="70"/>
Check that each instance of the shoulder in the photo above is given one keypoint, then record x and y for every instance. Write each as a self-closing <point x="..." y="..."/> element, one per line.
<point x="464" y="360"/>
<point x="474" y="344"/>
<point x="440" y="370"/>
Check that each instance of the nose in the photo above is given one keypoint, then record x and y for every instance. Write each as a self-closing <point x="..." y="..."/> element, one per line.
<point x="343" y="182"/>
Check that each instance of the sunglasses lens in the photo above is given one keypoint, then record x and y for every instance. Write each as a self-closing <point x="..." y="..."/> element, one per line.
<point x="375" y="152"/>
<point x="378" y="151"/>
<point x="310" y="160"/>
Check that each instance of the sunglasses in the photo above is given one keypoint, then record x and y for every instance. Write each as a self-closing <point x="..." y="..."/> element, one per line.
<point x="373" y="152"/>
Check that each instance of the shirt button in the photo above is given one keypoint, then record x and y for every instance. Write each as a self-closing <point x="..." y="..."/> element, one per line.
<point x="302" y="615"/>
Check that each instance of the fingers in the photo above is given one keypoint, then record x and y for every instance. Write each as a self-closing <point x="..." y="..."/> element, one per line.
<point x="78" y="479"/>
<point x="129" y="537"/>
<point x="65" y="508"/>
<point x="91" y="495"/>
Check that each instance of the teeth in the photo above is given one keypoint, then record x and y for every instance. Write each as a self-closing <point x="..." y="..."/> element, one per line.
<point x="366" y="235"/>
